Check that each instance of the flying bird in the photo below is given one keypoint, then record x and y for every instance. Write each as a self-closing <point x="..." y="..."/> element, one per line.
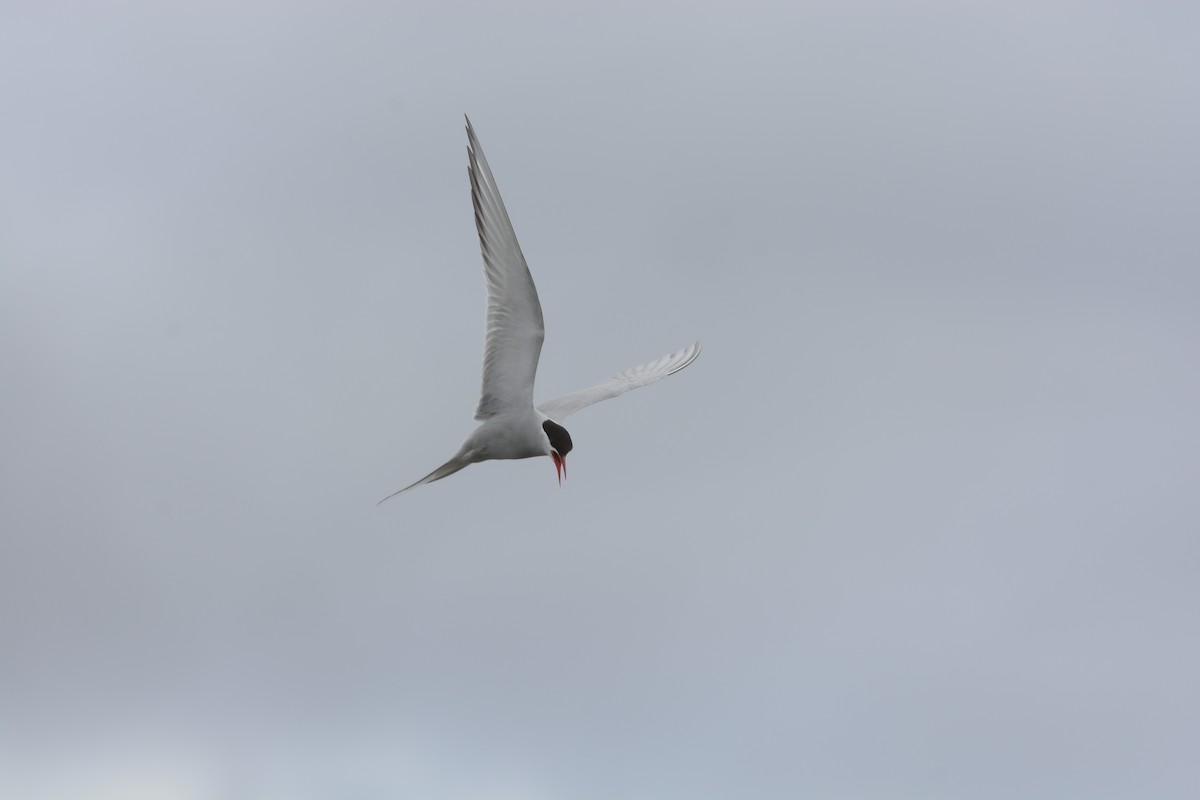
<point x="511" y="426"/>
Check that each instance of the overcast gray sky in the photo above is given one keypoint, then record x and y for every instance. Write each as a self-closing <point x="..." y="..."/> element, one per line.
<point x="920" y="522"/>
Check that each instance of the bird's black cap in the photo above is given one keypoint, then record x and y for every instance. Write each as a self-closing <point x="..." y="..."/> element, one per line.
<point x="560" y="440"/>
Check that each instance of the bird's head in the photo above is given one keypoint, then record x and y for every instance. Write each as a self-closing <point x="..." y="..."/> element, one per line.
<point x="560" y="444"/>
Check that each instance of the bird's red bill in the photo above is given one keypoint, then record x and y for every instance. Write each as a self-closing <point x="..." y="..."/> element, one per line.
<point x="560" y="465"/>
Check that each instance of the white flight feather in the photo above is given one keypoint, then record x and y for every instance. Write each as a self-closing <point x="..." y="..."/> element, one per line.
<point x="642" y="375"/>
<point x="515" y="329"/>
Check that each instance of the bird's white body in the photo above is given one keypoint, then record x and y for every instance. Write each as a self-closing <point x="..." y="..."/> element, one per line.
<point x="511" y="426"/>
<point x="513" y="434"/>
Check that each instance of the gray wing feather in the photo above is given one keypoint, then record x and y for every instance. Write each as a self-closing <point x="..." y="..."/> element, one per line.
<point x="642" y="375"/>
<point x="515" y="329"/>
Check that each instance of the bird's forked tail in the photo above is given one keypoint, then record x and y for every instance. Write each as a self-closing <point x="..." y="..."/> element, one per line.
<point x="449" y="468"/>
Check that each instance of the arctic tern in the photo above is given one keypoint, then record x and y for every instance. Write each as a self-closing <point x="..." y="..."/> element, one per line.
<point x="511" y="426"/>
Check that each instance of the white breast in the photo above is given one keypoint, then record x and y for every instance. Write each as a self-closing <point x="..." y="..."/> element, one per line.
<point x="513" y="435"/>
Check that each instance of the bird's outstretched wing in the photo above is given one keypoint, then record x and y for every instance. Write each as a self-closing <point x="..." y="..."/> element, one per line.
<point x="514" y="316"/>
<point x="562" y="407"/>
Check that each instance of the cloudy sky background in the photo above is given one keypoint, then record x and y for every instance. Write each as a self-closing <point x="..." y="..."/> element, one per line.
<point x="920" y="522"/>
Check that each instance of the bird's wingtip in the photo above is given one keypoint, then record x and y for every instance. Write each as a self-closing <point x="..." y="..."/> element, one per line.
<point x="685" y="357"/>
